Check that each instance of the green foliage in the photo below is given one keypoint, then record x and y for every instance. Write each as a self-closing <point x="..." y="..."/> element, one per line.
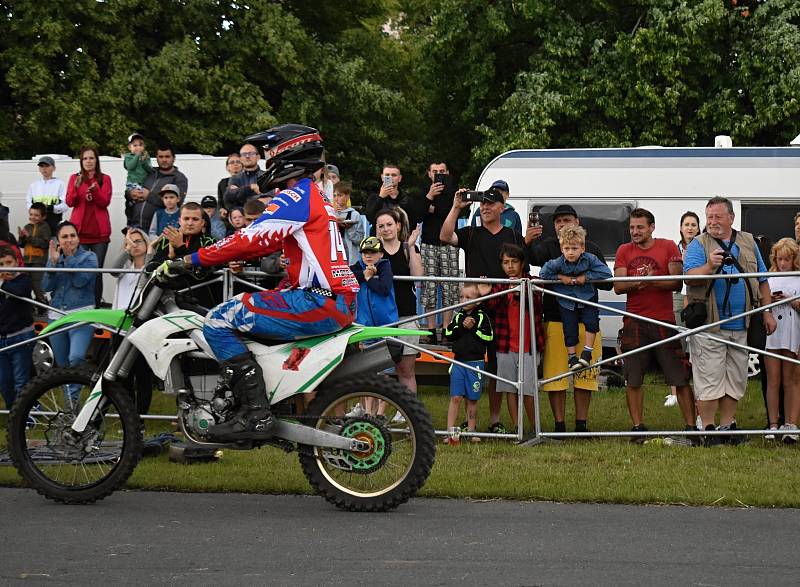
<point x="400" y="80"/>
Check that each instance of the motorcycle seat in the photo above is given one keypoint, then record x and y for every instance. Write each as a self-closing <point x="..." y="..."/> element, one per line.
<point x="268" y="341"/>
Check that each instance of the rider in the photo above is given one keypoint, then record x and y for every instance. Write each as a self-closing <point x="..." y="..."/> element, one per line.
<point x="322" y="299"/>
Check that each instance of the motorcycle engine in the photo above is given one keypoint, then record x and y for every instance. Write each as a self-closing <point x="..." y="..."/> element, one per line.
<point x="199" y="418"/>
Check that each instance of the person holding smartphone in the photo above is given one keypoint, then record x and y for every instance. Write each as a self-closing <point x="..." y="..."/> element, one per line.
<point x="438" y="258"/>
<point x="389" y="197"/>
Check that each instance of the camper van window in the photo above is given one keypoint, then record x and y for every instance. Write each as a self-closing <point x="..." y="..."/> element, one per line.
<point x="774" y="221"/>
<point x="606" y="224"/>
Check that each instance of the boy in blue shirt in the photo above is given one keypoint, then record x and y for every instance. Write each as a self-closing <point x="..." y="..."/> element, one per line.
<point x="573" y="268"/>
<point x="375" y="300"/>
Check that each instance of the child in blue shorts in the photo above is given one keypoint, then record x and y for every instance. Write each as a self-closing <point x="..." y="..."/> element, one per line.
<point x="469" y="331"/>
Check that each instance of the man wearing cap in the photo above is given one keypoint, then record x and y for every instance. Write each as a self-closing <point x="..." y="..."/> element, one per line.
<point x="438" y="259"/>
<point x="482" y="246"/>
<point x="555" y="351"/>
<point x="145" y="202"/>
<point x="217" y="226"/>
<point x="509" y="217"/>
<point x="50" y="191"/>
<point x="244" y="185"/>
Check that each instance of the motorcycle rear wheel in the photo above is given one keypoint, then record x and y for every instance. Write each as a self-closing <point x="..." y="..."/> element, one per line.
<point x="400" y="457"/>
<point x="69" y="467"/>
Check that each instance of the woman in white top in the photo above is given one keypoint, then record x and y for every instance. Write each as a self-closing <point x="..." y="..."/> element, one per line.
<point x="689" y="228"/>
<point x="784" y="256"/>
<point x="134" y="256"/>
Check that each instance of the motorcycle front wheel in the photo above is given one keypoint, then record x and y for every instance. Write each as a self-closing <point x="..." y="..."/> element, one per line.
<point x="401" y="439"/>
<point x="68" y="466"/>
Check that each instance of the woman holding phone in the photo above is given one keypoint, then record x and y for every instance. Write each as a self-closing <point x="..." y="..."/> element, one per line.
<point x="89" y="194"/>
<point x="70" y="291"/>
<point x="785" y="341"/>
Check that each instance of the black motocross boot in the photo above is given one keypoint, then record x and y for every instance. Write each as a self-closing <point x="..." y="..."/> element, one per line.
<point x="253" y="420"/>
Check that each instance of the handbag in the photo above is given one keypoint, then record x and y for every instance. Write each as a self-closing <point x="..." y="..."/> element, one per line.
<point x="695" y="314"/>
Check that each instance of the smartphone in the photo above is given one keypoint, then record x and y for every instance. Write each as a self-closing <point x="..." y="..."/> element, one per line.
<point x="472" y="196"/>
<point x="440" y="178"/>
<point x="387" y="181"/>
<point x="533" y="219"/>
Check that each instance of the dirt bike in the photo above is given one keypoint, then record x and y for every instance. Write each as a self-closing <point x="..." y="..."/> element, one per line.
<point x="74" y="434"/>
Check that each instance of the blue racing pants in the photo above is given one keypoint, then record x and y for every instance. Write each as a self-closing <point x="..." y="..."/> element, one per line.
<point x="282" y="315"/>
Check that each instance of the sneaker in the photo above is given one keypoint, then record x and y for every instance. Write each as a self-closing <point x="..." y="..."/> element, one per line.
<point x="709" y="441"/>
<point x="770" y="436"/>
<point x="693" y="440"/>
<point x="734" y="440"/>
<point x="670" y="401"/>
<point x="356" y="412"/>
<point x="585" y="358"/>
<point x="451" y="441"/>
<point x="790" y="438"/>
<point x="574" y="363"/>
<point x="464" y="426"/>
<point x="497" y="428"/>
<point x="581" y="428"/>
<point x="398" y="418"/>
<point x="639" y="439"/>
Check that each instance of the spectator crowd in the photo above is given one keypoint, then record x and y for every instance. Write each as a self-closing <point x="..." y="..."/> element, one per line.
<point x="403" y="231"/>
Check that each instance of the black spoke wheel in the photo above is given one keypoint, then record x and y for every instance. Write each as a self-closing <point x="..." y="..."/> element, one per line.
<point x="60" y="463"/>
<point x="398" y="445"/>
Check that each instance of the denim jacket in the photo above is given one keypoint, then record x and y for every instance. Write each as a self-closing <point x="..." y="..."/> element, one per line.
<point x="71" y="290"/>
<point x="588" y="265"/>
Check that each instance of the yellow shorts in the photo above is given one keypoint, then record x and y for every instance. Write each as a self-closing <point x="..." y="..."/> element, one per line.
<point x="555" y="359"/>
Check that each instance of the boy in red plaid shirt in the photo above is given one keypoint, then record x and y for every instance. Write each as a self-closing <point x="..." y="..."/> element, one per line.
<point x="506" y="330"/>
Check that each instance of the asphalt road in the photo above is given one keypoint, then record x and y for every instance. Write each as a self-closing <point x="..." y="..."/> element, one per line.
<point x="148" y="538"/>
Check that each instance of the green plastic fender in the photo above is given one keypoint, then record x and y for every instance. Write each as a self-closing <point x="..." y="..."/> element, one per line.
<point x="367" y="332"/>
<point x="116" y="319"/>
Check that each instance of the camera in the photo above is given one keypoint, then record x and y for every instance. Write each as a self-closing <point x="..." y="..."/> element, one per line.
<point x="533" y="219"/>
<point x="727" y="258"/>
<point x="472" y="196"/>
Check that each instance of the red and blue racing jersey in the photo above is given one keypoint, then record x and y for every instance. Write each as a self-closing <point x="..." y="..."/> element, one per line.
<point x="302" y="223"/>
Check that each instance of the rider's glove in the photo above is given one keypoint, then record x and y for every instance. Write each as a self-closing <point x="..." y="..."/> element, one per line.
<point x="173" y="268"/>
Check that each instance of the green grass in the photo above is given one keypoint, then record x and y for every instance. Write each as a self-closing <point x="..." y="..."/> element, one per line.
<point x="610" y="470"/>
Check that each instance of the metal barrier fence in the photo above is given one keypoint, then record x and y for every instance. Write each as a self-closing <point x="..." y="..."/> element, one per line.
<point x="525" y="288"/>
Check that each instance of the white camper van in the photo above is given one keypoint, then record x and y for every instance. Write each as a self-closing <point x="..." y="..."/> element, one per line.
<point x="202" y="171"/>
<point x="604" y="185"/>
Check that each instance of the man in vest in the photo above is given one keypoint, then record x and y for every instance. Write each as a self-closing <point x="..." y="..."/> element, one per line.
<point x="719" y="370"/>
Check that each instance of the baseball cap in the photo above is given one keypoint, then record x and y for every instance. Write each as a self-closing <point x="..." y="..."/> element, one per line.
<point x="208" y="202"/>
<point x="493" y="195"/>
<point x="500" y="184"/>
<point x="371" y="244"/>
<point x="135" y="135"/>
<point x="563" y="209"/>
<point x="46" y="160"/>
<point x="170" y="187"/>
<point x="332" y="169"/>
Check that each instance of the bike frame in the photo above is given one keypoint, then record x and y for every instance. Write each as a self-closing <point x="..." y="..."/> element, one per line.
<point x="291" y="368"/>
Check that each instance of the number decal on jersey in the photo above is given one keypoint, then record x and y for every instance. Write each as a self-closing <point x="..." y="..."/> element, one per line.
<point x="337" y="246"/>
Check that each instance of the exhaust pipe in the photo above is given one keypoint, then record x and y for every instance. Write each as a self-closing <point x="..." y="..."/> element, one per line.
<point x="373" y="360"/>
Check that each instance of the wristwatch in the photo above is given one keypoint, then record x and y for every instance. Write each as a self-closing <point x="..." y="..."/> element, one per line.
<point x="574" y="281"/>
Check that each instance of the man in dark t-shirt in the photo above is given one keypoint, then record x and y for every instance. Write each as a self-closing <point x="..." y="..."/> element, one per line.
<point x="482" y="246"/>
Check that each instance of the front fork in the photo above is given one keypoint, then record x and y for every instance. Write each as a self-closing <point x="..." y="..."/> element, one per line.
<point x="122" y="361"/>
